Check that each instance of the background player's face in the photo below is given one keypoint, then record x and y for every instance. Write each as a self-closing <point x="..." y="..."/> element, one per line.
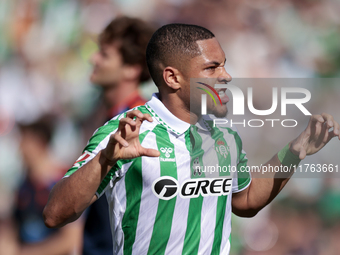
<point x="107" y="66"/>
<point x="210" y="64"/>
<point x="31" y="146"/>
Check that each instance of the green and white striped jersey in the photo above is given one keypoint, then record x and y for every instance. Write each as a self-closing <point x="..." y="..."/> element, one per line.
<point x="178" y="203"/>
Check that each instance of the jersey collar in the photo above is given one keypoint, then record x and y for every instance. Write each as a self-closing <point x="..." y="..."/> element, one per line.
<point x="165" y="117"/>
<point x="203" y="124"/>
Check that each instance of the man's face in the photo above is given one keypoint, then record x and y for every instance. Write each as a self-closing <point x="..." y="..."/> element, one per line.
<point x="209" y="68"/>
<point x="107" y="66"/>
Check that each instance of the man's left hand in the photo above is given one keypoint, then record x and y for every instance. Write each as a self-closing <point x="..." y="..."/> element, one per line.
<point x="316" y="135"/>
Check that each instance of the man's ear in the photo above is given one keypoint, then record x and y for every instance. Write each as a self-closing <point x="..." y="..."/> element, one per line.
<point x="172" y="77"/>
<point x="131" y="72"/>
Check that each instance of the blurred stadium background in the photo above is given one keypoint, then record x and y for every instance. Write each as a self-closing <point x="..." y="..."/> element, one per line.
<point x="45" y="46"/>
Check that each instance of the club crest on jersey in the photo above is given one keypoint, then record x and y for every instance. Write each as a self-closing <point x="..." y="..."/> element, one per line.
<point x="220" y="142"/>
<point x="167" y="151"/>
<point x="222" y="148"/>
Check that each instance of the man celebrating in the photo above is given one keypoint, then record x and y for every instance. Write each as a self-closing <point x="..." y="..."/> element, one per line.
<point x="119" y="68"/>
<point x="143" y="160"/>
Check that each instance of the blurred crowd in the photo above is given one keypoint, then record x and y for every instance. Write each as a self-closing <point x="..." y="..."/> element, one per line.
<point x="45" y="47"/>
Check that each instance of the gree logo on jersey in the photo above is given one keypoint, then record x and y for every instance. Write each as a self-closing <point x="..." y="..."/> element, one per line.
<point x="167" y="187"/>
<point x="167" y="153"/>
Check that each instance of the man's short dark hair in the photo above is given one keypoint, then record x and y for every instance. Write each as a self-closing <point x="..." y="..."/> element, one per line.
<point x="132" y="36"/>
<point x="170" y="43"/>
<point x="43" y="128"/>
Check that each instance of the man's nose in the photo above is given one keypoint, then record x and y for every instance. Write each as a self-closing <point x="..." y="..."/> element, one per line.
<point x="225" y="77"/>
<point x="94" y="58"/>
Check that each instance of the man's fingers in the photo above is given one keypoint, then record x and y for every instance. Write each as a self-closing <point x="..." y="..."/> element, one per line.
<point x="331" y="123"/>
<point x="328" y="119"/>
<point x="331" y="135"/>
<point x="134" y="113"/>
<point x="128" y="121"/>
<point x="134" y="119"/>
<point x="317" y="118"/>
<point x="138" y="114"/>
<point x="302" y="154"/>
<point x="148" y="117"/>
<point x="323" y="123"/>
<point x="150" y="152"/>
<point x="336" y="129"/>
<point x="117" y="137"/>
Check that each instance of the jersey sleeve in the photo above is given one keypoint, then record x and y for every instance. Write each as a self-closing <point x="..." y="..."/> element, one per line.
<point x="97" y="142"/>
<point x="243" y="178"/>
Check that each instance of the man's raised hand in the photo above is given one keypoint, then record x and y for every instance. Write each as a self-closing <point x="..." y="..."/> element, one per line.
<point x="316" y="135"/>
<point x="124" y="144"/>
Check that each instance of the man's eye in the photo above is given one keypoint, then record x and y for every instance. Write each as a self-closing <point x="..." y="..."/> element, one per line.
<point x="211" y="68"/>
<point x="103" y="53"/>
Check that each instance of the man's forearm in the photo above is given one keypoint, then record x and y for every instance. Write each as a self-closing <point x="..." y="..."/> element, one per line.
<point x="262" y="190"/>
<point x="72" y="195"/>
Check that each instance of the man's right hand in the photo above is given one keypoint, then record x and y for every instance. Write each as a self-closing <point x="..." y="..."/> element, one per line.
<point x="69" y="198"/>
<point x="124" y="144"/>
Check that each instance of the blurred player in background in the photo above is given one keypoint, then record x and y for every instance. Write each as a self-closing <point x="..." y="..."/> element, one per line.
<point x="26" y="233"/>
<point x="119" y="68"/>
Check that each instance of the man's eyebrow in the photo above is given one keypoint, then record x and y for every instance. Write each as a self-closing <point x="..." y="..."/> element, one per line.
<point x="215" y="63"/>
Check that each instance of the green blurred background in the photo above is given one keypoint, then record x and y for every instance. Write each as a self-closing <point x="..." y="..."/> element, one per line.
<point x="45" y="46"/>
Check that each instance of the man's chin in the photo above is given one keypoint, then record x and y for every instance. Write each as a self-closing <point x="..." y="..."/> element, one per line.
<point x="220" y="112"/>
<point x="220" y="115"/>
<point x="99" y="82"/>
<point x="93" y="79"/>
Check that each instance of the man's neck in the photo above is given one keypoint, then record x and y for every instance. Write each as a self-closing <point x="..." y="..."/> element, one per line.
<point x="117" y="94"/>
<point x="178" y="108"/>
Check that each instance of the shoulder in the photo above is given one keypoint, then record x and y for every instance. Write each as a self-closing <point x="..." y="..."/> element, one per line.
<point x="101" y="136"/>
<point x="113" y="123"/>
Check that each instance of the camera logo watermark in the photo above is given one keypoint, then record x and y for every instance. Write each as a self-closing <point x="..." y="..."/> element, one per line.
<point x="239" y="103"/>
